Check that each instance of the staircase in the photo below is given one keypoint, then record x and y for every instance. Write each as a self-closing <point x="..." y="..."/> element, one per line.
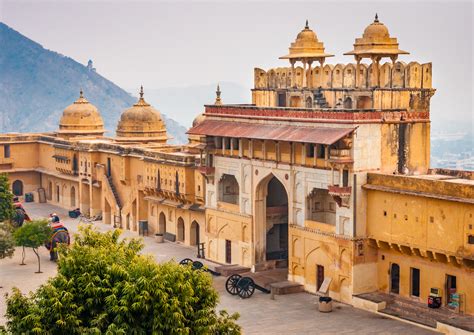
<point x="419" y="312"/>
<point x="319" y="99"/>
<point x="114" y="191"/>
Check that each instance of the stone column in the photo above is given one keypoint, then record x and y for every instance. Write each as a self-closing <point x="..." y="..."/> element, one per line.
<point x="293" y="75"/>
<point x="304" y="73"/>
<point x="309" y="75"/>
<point x="356" y="77"/>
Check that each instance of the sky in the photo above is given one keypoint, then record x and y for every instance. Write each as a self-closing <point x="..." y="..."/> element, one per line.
<point x="184" y="43"/>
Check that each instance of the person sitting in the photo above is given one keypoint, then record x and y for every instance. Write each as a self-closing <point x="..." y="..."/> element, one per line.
<point x="60" y="235"/>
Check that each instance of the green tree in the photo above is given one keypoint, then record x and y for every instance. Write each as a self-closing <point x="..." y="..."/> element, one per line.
<point x="6" y="199"/>
<point x="104" y="286"/>
<point x="33" y="235"/>
<point x="7" y="244"/>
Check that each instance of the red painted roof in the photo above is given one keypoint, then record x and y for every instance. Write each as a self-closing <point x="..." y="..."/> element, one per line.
<point x="320" y="135"/>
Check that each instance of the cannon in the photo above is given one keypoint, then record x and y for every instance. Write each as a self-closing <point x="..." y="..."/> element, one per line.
<point x="244" y="287"/>
<point x="197" y="265"/>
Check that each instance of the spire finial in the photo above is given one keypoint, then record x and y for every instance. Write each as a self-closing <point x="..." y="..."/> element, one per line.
<point x="141" y="92"/>
<point x="218" y="96"/>
<point x="376" y="18"/>
<point x="307" y="25"/>
<point x="81" y="95"/>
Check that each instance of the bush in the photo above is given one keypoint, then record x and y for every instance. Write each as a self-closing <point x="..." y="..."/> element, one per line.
<point x="104" y="285"/>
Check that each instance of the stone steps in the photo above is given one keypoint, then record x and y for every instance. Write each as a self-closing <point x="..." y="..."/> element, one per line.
<point x="286" y="287"/>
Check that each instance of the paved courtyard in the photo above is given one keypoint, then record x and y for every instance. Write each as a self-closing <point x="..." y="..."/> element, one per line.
<point x="287" y="314"/>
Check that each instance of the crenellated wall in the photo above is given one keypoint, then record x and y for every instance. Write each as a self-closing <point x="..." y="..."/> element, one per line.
<point x="398" y="75"/>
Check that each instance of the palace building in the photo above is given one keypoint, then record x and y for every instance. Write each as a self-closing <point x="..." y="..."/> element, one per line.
<point x="327" y="174"/>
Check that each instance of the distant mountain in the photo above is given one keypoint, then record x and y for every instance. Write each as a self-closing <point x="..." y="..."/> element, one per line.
<point x="37" y="84"/>
<point x="185" y="103"/>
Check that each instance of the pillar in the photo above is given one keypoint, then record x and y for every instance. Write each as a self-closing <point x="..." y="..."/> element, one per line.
<point x="293" y="75"/>
<point x="304" y="74"/>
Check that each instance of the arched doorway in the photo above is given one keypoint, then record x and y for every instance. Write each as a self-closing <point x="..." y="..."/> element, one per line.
<point x="162" y="223"/>
<point x="395" y="278"/>
<point x="195" y="238"/>
<point x="271" y="209"/>
<point x="73" y="196"/>
<point x="180" y="230"/>
<point x="17" y="187"/>
<point x="57" y="193"/>
<point x="50" y="191"/>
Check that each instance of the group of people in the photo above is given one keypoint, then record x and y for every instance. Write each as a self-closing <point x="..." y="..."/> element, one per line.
<point x="60" y="232"/>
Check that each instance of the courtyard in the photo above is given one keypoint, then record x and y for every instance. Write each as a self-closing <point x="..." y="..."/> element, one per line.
<point x="287" y="314"/>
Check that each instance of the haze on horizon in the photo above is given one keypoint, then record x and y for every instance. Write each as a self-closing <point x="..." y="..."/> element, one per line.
<point x="180" y="44"/>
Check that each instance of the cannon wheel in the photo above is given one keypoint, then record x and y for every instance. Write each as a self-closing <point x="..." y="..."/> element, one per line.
<point x="186" y="261"/>
<point x="231" y="284"/>
<point x="197" y="265"/>
<point x="246" y="287"/>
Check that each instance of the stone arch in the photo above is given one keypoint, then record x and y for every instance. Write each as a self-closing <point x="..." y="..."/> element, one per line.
<point x="309" y="102"/>
<point x="413" y="75"/>
<point x="63" y="193"/>
<point x="297" y="248"/>
<point x="50" y="190"/>
<point x="271" y="78"/>
<point x="229" y="189"/>
<point x="244" y="233"/>
<point x="58" y="192"/>
<point x="195" y="236"/>
<point x="211" y="254"/>
<point x="180" y="230"/>
<point x="337" y="76"/>
<point x="348" y="103"/>
<point x="398" y="75"/>
<point x="362" y="76"/>
<point x="349" y="76"/>
<point x="386" y="75"/>
<point x="260" y="78"/>
<point x="272" y="213"/>
<point x="299" y="76"/>
<point x="327" y="76"/>
<point x="162" y="223"/>
<point x="73" y="196"/>
<point x="17" y="187"/>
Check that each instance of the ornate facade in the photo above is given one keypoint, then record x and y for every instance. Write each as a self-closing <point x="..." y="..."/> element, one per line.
<point x="326" y="174"/>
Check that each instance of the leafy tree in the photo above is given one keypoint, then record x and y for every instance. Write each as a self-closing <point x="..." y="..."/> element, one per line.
<point x="104" y="286"/>
<point x="33" y="235"/>
<point x="6" y="199"/>
<point x="7" y="244"/>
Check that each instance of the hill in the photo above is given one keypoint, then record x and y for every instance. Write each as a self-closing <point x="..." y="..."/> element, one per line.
<point x="36" y="85"/>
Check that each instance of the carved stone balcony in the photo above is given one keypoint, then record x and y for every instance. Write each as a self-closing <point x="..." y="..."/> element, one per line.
<point x="340" y="194"/>
<point x="340" y="156"/>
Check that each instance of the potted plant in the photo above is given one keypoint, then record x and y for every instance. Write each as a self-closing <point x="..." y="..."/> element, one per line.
<point x="159" y="238"/>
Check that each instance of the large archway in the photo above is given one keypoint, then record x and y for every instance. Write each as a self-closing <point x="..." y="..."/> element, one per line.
<point x="271" y="213"/>
<point x="73" y="196"/>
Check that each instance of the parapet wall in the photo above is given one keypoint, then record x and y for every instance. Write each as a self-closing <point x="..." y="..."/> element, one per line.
<point x="398" y="75"/>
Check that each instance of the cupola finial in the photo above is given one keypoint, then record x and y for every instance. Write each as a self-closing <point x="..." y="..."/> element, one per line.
<point x="307" y="25"/>
<point x="218" y="96"/>
<point x="376" y="18"/>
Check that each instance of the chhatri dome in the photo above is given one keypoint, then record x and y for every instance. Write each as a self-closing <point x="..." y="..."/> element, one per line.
<point x="376" y="42"/>
<point x="307" y="46"/>
<point x="81" y="119"/>
<point x="141" y="123"/>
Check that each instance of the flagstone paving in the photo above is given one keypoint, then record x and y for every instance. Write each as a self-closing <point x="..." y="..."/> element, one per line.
<point x="287" y="314"/>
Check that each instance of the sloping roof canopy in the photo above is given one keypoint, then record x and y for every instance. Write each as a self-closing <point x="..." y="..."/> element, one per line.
<point x="270" y="132"/>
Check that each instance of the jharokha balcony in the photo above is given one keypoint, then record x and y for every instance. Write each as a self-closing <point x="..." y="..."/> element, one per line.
<point x="340" y="194"/>
<point x="340" y="155"/>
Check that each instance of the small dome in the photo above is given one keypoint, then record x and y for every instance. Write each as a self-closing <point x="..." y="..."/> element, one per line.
<point x="376" y="41"/>
<point x="141" y="123"/>
<point x="306" y="45"/>
<point x="81" y="118"/>
<point x="201" y="117"/>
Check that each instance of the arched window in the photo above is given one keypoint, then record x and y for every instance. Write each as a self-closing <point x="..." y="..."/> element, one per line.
<point x="229" y="189"/>
<point x="348" y="103"/>
<point x="17" y="187"/>
<point x="162" y="223"/>
<point x="309" y="102"/>
<point x="57" y="193"/>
